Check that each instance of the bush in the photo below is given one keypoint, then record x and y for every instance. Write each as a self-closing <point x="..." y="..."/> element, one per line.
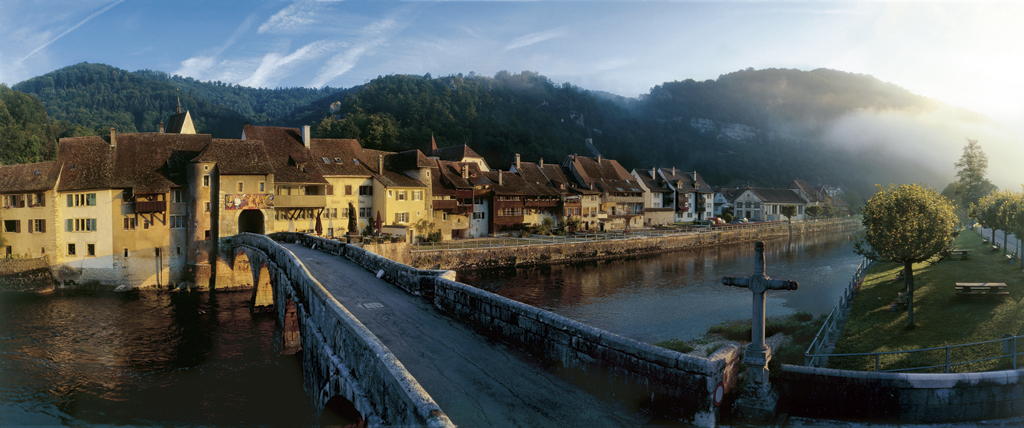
<point x="675" y="345"/>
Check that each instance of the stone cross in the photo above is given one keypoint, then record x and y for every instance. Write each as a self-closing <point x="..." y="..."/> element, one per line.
<point x="757" y="355"/>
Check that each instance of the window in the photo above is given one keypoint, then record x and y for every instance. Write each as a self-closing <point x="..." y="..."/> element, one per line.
<point x="402" y="217"/>
<point x="444" y="216"/>
<point x="365" y="190"/>
<point x="391" y="194"/>
<point x="401" y="195"/>
<point x="177" y="222"/>
<point x="179" y="249"/>
<point x="207" y="207"/>
<point x="344" y="213"/>
<point x="179" y="196"/>
<point x="417" y="195"/>
<point x="364" y="213"/>
<point x="263" y="186"/>
<point x="330" y="231"/>
<point x="479" y="215"/>
<point x="348" y="190"/>
<point x="126" y="253"/>
<point x="478" y="201"/>
<point x="38" y="200"/>
<point x="12" y="226"/>
<point x="206" y="180"/>
<point x="330" y="190"/>
<point x="10" y="251"/>
<point x="91" y="248"/>
<point x="326" y="160"/>
<point x="82" y="199"/>
<point x="145" y="224"/>
<point x="129" y="223"/>
<point x="37" y="226"/>
<point x="71" y="249"/>
<point x="206" y="234"/>
<point x="240" y="187"/>
<point x="80" y="225"/>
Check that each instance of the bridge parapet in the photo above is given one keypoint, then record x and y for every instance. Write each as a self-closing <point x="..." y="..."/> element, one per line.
<point x="341" y="357"/>
<point x="675" y="384"/>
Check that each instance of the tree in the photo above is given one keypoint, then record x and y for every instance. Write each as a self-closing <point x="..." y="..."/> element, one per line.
<point x="971" y="182"/>
<point x="986" y="212"/>
<point x="814" y="211"/>
<point x="789" y="211"/>
<point x="422" y="226"/>
<point x="906" y="224"/>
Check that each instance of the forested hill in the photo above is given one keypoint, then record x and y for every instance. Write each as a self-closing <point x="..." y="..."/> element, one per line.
<point x="760" y="127"/>
<point x="99" y="96"/>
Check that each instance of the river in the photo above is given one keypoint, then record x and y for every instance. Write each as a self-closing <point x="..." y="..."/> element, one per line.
<point x="101" y="358"/>
<point x="678" y="295"/>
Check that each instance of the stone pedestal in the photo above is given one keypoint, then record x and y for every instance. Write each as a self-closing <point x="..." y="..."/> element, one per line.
<point x="758" y="401"/>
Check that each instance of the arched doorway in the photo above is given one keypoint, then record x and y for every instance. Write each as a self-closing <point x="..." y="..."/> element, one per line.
<point x="250" y="221"/>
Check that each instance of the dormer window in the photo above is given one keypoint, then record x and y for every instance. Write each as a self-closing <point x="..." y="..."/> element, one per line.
<point x="326" y="160"/>
<point x="337" y="160"/>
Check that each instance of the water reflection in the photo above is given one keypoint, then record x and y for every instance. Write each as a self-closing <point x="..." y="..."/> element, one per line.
<point x="83" y="358"/>
<point x="680" y="294"/>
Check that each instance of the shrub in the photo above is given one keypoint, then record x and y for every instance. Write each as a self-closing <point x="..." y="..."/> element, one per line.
<point x="675" y="345"/>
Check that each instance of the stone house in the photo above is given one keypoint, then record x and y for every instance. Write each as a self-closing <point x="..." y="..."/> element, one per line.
<point x="694" y="199"/>
<point x="621" y="198"/>
<point x="658" y="197"/>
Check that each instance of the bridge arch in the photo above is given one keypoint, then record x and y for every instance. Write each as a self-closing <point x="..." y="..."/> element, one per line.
<point x="251" y="221"/>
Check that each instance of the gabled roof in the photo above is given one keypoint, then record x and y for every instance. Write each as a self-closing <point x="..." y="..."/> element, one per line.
<point x="730" y="195"/>
<point x="456" y="153"/>
<point x="237" y="157"/>
<point x="141" y="160"/>
<point x="655" y="184"/>
<point x="685" y="181"/>
<point x="86" y="163"/>
<point x="28" y="177"/>
<point x="536" y="181"/>
<point x="777" y="196"/>
<point x="510" y="183"/>
<point x="344" y="157"/>
<point x="291" y="160"/>
<point x="451" y="174"/>
<point x="810" y="193"/>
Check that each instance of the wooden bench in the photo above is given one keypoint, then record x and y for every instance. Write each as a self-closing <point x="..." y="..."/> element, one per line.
<point x="962" y="253"/>
<point x="981" y="289"/>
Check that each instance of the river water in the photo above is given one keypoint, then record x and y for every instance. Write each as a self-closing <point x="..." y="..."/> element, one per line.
<point x="678" y="295"/>
<point x="185" y="359"/>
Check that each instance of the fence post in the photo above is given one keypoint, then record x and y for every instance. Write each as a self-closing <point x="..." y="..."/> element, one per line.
<point x="876" y="361"/>
<point x="947" y="358"/>
<point x="1015" y="352"/>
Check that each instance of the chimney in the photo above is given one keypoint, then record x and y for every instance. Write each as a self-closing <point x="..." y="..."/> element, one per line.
<point x="654" y="172"/>
<point x="465" y="171"/>
<point x="517" y="162"/>
<point x="542" y="162"/>
<point x="305" y="135"/>
<point x="380" y="164"/>
<point x="500" y="181"/>
<point x="598" y="158"/>
<point x="673" y="170"/>
<point x="113" y="138"/>
<point x="160" y="128"/>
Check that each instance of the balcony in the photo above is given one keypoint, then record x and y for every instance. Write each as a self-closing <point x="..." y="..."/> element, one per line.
<point x="143" y="207"/>
<point x="300" y="201"/>
<point x="541" y="203"/>
<point x="445" y="204"/>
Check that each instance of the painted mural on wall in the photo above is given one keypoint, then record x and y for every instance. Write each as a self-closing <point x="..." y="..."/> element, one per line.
<point x="249" y="201"/>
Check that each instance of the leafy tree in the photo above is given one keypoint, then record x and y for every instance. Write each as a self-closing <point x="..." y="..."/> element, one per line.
<point x="814" y="211"/>
<point x="572" y="223"/>
<point x="986" y="212"/>
<point x="971" y="182"/>
<point x="906" y="224"/>
<point x="422" y="226"/>
<point x="789" y="211"/>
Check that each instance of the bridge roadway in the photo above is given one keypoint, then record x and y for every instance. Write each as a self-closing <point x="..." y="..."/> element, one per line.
<point x="477" y="381"/>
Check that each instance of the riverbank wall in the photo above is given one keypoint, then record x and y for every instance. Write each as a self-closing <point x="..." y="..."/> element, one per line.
<point x="606" y="249"/>
<point x="26" y="274"/>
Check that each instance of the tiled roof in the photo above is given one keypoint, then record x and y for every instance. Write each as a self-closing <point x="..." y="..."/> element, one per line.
<point x="86" y="163"/>
<point x="457" y="153"/>
<point x="652" y="183"/>
<point x="29" y="177"/>
<point x="344" y="157"/>
<point x="686" y="181"/>
<point x="808" y="192"/>
<point x="291" y="160"/>
<point x="510" y="183"/>
<point x="534" y="178"/>
<point x="777" y="196"/>
<point x="141" y="160"/>
<point x="176" y="122"/>
<point x="451" y="172"/>
<point x="237" y="157"/>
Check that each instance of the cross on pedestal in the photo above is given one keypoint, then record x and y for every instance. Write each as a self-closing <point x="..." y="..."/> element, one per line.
<point x="758" y="392"/>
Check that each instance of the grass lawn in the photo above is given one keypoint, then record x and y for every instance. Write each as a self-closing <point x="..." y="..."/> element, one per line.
<point x="940" y="315"/>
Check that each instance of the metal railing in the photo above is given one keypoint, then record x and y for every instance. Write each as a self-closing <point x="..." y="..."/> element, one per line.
<point x="1009" y="351"/>
<point x="830" y="328"/>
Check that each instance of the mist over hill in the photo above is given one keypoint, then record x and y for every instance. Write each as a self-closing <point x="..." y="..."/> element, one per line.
<point x="759" y="127"/>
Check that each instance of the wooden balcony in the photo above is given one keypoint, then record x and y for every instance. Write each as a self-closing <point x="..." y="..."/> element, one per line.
<point x="142" y="207"/>
<point x="541" y="203"/>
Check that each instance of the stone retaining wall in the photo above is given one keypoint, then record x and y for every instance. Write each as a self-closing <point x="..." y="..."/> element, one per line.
<point x="494" y="257"/>
<point x="340" y="355"/>
<point x="26" y="274"/>
<point x="901" y="397"/>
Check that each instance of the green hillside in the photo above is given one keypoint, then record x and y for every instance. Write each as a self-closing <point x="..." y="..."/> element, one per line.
<point x="760" y="127"/>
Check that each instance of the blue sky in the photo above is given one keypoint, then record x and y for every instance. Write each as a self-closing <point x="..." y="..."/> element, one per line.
<point x="966" y="54"/>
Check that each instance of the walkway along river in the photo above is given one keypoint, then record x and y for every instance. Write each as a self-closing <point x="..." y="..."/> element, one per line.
<point x="678" y="295"/>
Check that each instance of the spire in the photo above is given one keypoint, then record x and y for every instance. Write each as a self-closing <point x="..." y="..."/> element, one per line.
<point x="433" y="146"/>
<point x="178" y="111"/>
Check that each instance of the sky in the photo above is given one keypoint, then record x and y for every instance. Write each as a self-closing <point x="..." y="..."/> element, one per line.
<point x="966" y="54"/>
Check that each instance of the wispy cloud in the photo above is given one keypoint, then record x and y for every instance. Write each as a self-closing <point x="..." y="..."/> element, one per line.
<point x="534" y="38"/>
<point x="373" y="35"/>
<point x="274" y="64"/>
<point x="297" y="15"/>
<point x="73" y="28"/>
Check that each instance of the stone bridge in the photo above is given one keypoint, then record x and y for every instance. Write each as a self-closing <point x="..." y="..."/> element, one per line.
<point x="488" y="360"/>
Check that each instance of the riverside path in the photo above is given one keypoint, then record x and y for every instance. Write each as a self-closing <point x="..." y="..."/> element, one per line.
<point x="477" y="381"/>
